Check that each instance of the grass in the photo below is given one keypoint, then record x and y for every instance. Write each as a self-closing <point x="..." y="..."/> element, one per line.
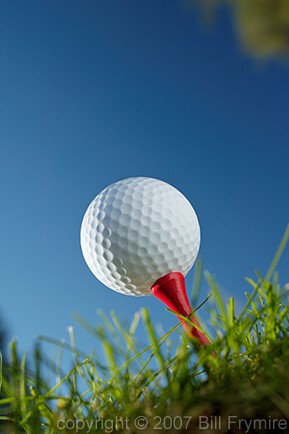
<point x="168" y="385"/>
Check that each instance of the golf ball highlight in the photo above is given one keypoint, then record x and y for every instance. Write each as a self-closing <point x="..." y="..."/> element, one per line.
<point x="136" y="231"/>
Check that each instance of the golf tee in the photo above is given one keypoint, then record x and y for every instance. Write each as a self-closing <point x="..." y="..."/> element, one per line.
<point x="171" y="290"/>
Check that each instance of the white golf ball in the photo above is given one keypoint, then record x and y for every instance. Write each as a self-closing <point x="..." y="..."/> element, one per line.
<point x="136" y="231"/>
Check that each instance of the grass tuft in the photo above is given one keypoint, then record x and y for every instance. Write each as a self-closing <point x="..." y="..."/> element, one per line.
<point x="169" y="383"/>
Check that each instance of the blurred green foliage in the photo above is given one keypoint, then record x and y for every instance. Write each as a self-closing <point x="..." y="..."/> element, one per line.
<point x="262" y="25"/>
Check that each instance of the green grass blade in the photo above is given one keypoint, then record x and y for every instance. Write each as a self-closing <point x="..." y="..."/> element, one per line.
<point x="153" y="339"/>
<point x="1" y="370"/>
<point x="278" y="254"/>
<point x="197" y="281"/>
<point x="217" y="294"/>
<point x="23" y="385"/>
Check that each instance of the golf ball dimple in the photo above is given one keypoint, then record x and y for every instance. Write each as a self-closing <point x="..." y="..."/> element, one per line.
<point x="136" y="231"/>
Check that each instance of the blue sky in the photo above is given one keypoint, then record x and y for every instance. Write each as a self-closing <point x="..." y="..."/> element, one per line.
<point x="92" y="92"/>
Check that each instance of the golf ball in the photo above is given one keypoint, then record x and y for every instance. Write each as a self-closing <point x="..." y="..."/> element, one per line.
<point x="136" y="231"/>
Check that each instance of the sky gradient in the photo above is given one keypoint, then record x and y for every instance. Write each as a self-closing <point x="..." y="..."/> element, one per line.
<point x="93" y="92"/>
